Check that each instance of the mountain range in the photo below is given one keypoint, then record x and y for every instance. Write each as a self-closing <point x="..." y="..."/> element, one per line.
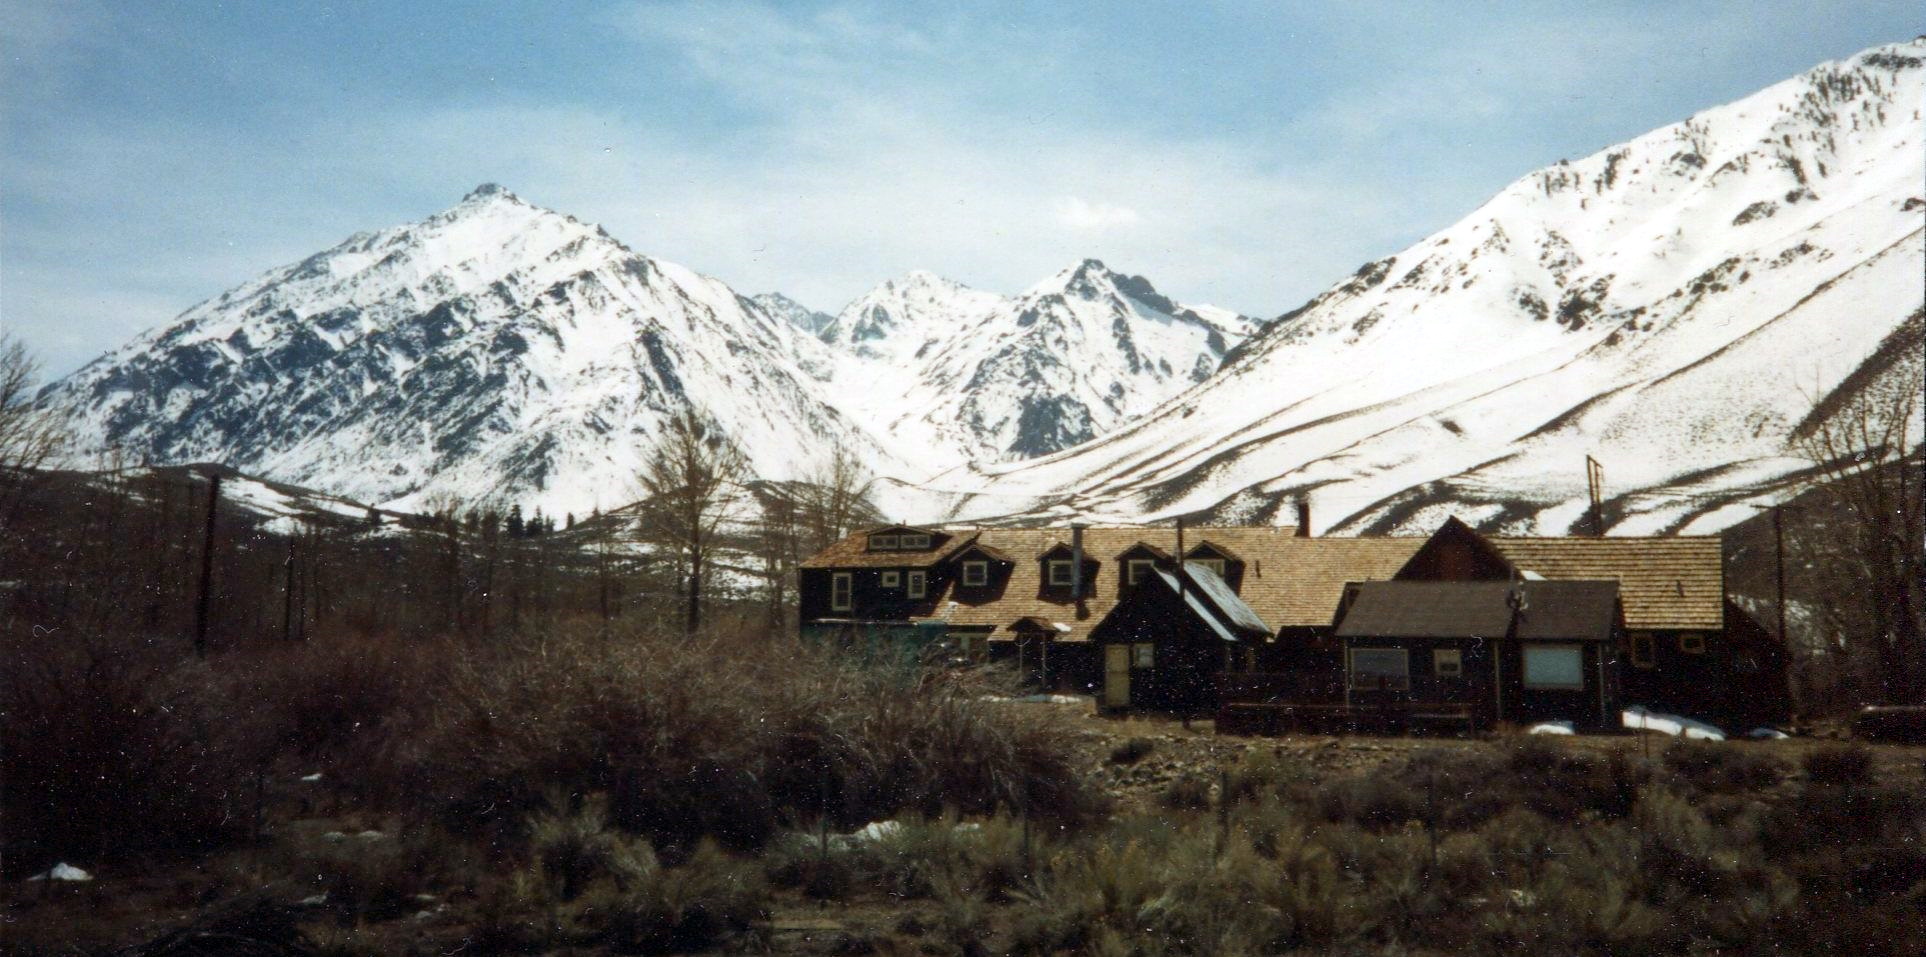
<point x="1674" y="307"/>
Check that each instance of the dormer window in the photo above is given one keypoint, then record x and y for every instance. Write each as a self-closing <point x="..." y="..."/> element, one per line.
<point x="1061" y="573"/>
<point x="1216" y="565"/>
<point x="976" y="574"/>
<point x="883" y="543"/>
<point x="913" y="541"/>
<point x="1138" y="569"/>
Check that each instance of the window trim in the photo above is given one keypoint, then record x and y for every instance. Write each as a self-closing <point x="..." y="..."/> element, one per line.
<point x="1137" y="569"/>
<point x="913" y="541"/>
<point x="1353" y="676"/>
<point x="1453" y="656"/>
<point x="883" y="543"/>
<point x="1218" y="566"/>
<point x="1524" y="666"/>
<point x="842" y="591"/>
<point x="916" y="584"/>
<point x="1143" y="655"/>
<point x="1064" y="565"/>
<point x="976" y="574"/>
<point x="1691" y="642"/>
<point x="892" y="579"/>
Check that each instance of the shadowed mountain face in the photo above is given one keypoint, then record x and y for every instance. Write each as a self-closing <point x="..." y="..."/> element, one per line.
<point x="1673" y="306"/>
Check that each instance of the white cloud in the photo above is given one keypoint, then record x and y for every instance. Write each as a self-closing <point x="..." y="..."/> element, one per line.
<point x="1079" y="213"/>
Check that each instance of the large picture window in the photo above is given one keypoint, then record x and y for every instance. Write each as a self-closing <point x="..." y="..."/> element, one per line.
<point x="1555" y="667"/>
<point x="839" y="591"/>
<point x="1380" y="668"/>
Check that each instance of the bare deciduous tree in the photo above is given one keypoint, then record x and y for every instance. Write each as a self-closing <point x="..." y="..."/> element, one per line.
<point x="1872" y="563"/>
<point x="30" y="437"/>
<point x="689" y="482"/>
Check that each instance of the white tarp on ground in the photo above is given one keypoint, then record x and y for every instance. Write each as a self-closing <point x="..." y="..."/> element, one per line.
<point x="1640" y="718"/>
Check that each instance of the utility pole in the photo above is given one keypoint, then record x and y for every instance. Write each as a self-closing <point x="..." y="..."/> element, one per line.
<point x="207" y="564"/>
<point x="1779" y="546"/>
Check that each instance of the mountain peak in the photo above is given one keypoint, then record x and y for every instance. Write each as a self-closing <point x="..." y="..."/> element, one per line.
<point x="488" y="191"/>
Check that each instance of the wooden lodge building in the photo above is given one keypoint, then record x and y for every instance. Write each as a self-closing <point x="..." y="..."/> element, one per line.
<point x="1269" y="628"/>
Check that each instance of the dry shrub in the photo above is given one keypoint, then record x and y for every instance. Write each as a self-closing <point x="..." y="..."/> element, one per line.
<point x="706" y="901"/>
<point x="722" y="738"/>
<point x="109" y="754"/>
<point x="1132" y="751"/>
<point x="1722" y="767"/>
<point x="1190" y="792"/>
<point x="1839" y="764"/>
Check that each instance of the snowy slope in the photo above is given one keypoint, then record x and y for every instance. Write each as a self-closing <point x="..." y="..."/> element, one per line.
<point x="972" y="376"/>
<point x="1672" y="306"/>
<point x="495" y="351"/>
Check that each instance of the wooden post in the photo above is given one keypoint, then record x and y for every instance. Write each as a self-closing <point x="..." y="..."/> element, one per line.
<point x="207" y="566"/>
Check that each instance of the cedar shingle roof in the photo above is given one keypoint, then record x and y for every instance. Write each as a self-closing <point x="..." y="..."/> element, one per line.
<point x="1570" y="610"/>
<point x="1675" y="582"/>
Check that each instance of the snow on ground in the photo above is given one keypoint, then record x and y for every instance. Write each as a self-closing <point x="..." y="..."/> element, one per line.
<point x="1640" y="718"/>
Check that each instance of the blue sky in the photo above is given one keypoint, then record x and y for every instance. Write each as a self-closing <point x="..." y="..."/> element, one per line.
<point x="1245" y="154"/>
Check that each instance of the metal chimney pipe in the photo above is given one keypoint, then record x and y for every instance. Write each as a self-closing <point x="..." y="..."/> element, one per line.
<point x="1076" y="560"/>
<point x="1304" y="517"/>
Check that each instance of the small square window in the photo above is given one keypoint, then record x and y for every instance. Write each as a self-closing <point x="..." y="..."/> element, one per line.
<point x="1448" y="663"/>
<point x="892" y="579"/>
<point x="1137" y="569"/>
<point x="1143" y="655"/>
<point x="919" y="583"/>
<point x="1692" y="643"/>
<point x="1060" y="573"/>
<point x="976" y="573"/>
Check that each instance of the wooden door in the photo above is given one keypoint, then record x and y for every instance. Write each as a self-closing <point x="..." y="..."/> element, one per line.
<point x="1116" y="676"/>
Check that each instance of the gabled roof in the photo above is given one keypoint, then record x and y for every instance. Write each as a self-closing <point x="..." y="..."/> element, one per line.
<point x="1552" y="610"/>
<point x="1147" y="548"/>
<point x="1065" y="550"/>
<point x="1208" y="545"/>
<point x="1667" y="583"/>
<point x="852" y="551"/>
<point x="990" y="552"/>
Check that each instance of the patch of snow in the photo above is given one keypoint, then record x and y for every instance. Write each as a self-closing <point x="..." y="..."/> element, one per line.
<point x="1552" y="727"/>
<point x="62" y="871"/>
<point x="1640" y="718"/>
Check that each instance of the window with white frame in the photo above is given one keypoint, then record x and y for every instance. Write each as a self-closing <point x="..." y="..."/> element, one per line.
<point x="882" y="543"/>
<point x="1143" y="654"/>
<point x="976" y="573"/>
<point x="1060" y="572"/>
<point x="912" y="541"/>
<point x="1448" y="663"/>
<point x="1137" y="569"/>
<point x="1555" y="667"/>
<point x="918" y="583"/>
<point x="892" y="579"/>
<point x="1216" y="565"/>
<point x="1380" y="668"/>
<point x="839" y="591"/>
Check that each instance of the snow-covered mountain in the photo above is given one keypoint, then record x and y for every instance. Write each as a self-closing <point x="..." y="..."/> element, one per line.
<point x="797" y="314"/>
<point x="494" y="351"/>
<point x="973" y="376"/>
<point x="1674" y="306"/>
<point x="498" y="351"/>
